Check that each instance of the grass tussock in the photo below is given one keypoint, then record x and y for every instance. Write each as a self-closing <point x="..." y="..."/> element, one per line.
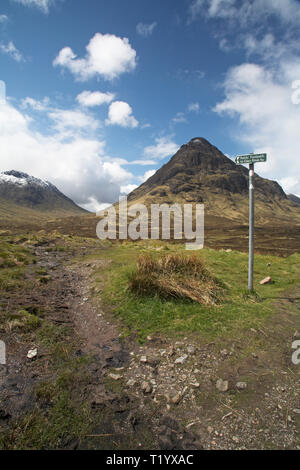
<point x="175" y="276"/>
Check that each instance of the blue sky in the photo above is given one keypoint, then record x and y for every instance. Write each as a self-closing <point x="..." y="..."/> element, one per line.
<point x="101" y="93"/>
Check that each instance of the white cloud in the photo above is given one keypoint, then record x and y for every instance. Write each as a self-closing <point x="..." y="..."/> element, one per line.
<point x="260" y="97"/>
<point x="78" y="167"/>
<point x="142" y="162"/>
<point x="3" y="18"/>
<point x="248" y="11"/>
<point x="120" y="114"/>
<point x="147" y="175"/>
<point x="145" y="29"/>
<point x="165" y="147"/>
<point x="194" y="107"/>
<point x="72" y="120"/>
<point x="179" y="118"/>
<point x="35" y="104"/>
<point x="126" y="189"/>
<point x="96" y="98"/>
<point x="108" y="56"/>
<point x="11" y="50"/>
<point x="43" y="5"/>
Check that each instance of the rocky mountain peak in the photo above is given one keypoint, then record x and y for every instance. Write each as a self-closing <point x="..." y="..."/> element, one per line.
<point x="19" y="178"/>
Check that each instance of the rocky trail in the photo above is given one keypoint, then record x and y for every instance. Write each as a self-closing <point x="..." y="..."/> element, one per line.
<point x="165" y="394"/>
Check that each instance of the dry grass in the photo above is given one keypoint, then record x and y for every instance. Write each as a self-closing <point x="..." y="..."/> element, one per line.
<point x="175" y="276"/>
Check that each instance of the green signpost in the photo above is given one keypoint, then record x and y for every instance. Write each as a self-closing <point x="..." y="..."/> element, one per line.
<point x="251" y="159"/>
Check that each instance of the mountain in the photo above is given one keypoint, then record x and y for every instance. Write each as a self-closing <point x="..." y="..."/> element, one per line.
<point x="295" y="199"/>
<point x="200" y="173"/>
<point x="22" y="195"/>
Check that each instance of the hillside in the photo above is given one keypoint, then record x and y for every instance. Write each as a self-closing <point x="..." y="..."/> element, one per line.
<point x="295" y="199"/>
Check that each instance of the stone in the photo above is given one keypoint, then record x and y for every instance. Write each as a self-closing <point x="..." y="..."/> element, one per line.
<point x="176" y="398"/>
<point x="131" y="383"/>
<point x="143" y="359"/>
<point x="32" y="353"/>
<point x="267" y="280"/>
<point x="146" y="387"/>
<point x="222" y="385"/>
<point x="195" y="384"/>
<point x="241" y="385"/>
<point x="115" y="376"/>
<point x="224" y="352"/>
<point x="181" y="359"/>
<point x="153" y="361"/>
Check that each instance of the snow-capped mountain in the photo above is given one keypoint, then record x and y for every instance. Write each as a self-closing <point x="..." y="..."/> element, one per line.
<point x="22" y="179"/>
<point x="27" y="191"/>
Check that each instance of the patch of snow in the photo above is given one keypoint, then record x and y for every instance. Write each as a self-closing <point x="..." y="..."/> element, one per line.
<point x="22" y="179"/>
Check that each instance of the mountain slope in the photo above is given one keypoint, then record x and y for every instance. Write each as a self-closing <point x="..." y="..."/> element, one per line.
<point x="201" y="173"/>
<point x="295" y="199"/>
<point x="22" y="195"/>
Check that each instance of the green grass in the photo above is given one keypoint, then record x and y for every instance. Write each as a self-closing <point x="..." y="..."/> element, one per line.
<point x="145" y="315"/>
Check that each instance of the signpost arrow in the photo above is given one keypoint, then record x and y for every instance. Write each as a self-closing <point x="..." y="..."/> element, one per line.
<point x="251" y="159"/>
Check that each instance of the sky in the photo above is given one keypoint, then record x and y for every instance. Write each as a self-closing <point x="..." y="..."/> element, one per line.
<point x="101" y="93"/>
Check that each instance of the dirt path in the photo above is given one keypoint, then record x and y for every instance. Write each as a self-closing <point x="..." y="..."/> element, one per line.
<point x="161" y="395"/>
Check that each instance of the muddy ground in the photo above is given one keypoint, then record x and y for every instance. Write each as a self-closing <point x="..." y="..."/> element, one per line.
<point x="165" y="394"/>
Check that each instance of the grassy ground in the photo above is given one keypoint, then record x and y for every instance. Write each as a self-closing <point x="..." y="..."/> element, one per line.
<point x="59" y="414"/>
<point x="54" y="414"/>
<point x="145" y="315"/>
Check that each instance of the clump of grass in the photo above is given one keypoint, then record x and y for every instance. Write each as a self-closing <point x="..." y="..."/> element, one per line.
<point x="175" y="276"/>
<point x="20" y="321"/>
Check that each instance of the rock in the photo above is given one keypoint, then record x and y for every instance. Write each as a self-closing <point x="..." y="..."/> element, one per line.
<point x="176" y="398"/>
<point x="224" y="352"/>
<point x="181" y="359"/>
<point x="143" y="359"/>
<point x="146" y="387"/>
<point x="241" y="385"/>
<point x="131" y="383"/>
<point x="191" y="349"/>
<point x="297" y="411"/>
<point x="153" y="361"/>
<point x="267" y="280"/>
<point x="222" y="385"/>
<point x="115" y="376"/>
<point x="195" y="384"/>
<point x="229" y="250"/>
<point x="210" y="429"/>
<point x="32" y="353"/>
